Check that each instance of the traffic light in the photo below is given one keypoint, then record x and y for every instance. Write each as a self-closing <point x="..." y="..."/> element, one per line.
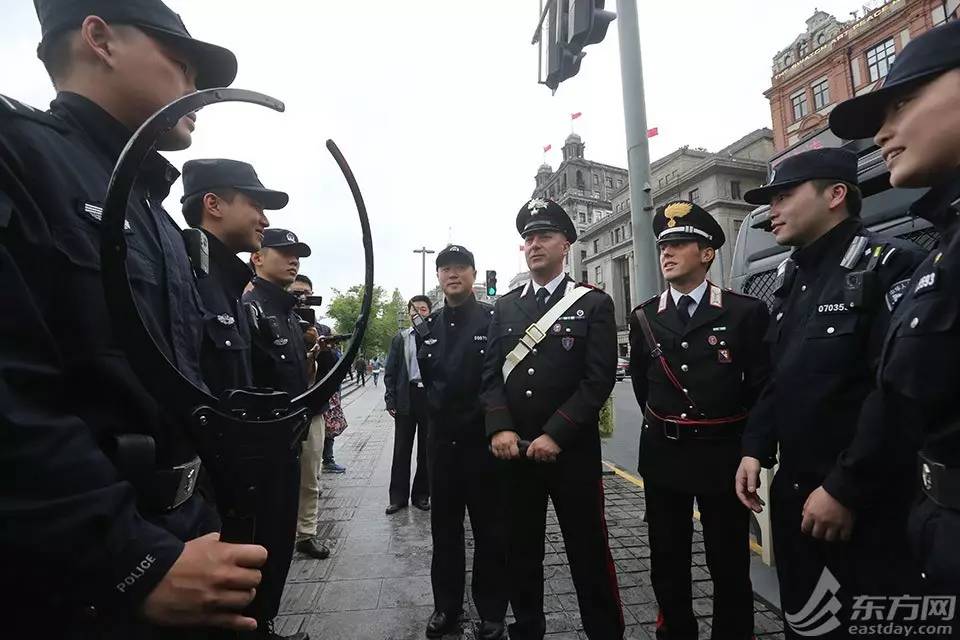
<point x="570" y="26"/>
<point x="491" y="283"/>
<point x="588" y="22"/>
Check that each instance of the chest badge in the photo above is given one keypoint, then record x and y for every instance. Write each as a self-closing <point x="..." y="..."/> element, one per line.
<point x="579" y="313"/>
<point x="724" y="356"/>
<point x="556" y="328"/>
<point x="225" y="319"/>
<point x="712" y="341"/>
<point x="567" y="342"/>
<point x="280" y="342"/>
<point x="430" y="341"/>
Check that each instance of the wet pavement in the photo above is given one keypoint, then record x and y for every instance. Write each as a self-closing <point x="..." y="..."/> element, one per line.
<point x="376" y="583"/>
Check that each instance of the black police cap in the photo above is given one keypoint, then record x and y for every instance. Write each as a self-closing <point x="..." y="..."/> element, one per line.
<point x="455" y="254"/>
<point x="543" y="214"/>
<point x="931" y="54"/>
<point x="200" y="176"/>
<point x="274" y="238"/>
<point x="216" y="66"/>
<point x="829" y="164"/>
<point x="682" y="220"/>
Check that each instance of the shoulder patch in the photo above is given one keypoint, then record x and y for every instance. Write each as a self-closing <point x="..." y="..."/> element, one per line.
<point x="896" y="292"/>
<point x="16" y="109"/>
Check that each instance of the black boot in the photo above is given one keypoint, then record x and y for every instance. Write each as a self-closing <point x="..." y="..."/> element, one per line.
<point x="441" y="623"/>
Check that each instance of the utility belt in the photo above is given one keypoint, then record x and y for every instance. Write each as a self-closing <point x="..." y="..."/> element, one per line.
<point x="939" y="482"/>
<point x="680" y="428"/>
<point x="159" y="489"/>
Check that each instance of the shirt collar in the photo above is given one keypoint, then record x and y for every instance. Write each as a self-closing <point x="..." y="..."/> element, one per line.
<point x="226" y="266"/>
<point x="819" y="254"/>
<point x="696" y="294"/>
<point x="110" y="136"/>
<point x="277" y="295"/>
<point x="551" y="286"/>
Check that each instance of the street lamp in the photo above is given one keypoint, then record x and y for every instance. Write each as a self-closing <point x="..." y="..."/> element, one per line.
<point x="423" y="251"/>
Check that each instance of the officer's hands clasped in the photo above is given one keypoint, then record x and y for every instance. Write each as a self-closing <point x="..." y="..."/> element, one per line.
<point x="507" y="445"/>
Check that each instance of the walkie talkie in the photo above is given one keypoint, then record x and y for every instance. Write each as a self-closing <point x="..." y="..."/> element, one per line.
<point x="421" y="326"/>
<point x="198" y="250"/>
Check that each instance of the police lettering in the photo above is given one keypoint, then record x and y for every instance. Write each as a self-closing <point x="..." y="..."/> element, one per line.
<point x="832" y="307"/>
<point x="926" y="281"/>
<point x="136" y="574"/>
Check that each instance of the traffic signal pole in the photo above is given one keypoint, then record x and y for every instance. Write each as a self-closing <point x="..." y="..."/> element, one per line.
<point x="645" y="280"/>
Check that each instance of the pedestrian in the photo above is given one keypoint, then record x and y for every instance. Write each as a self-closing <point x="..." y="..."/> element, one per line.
<point x="833" y="300"/>
<point x="361" y="367"/>
<point x="311" y="458"/>
<point x="375" y="369"/>
<point x="915" y="120"/>
<point x="336" y="423"/>
<point x="551" y="364"/>
<point x="463" y="472"/>
<point x="699" y="363"/>
<point x="101" y="525"/>
<point x="406" y="401"/>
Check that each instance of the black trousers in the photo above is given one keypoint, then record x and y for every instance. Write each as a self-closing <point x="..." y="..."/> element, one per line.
<point x="464" y="479"/>
<point x="726" y="531"/>
<point x="875" y="562"/>
<point x="934" y="531"/>
<point x="576" y="489"/>
<point x="362" y="377"/>
<point x="408" y="426"/>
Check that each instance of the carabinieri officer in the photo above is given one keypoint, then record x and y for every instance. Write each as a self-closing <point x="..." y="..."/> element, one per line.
<point x="699" y="363"/>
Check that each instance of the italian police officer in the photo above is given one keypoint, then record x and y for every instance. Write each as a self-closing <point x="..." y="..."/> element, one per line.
<point x="102" y="533"/>
<point x="833" y="302"/>
<point x="550" y="365"/>
<point x="463" y="472"/>
<point x="698" y="363"/>
<point x="915" y="120"/>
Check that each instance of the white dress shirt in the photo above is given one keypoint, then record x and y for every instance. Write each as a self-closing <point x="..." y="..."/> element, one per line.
<point x="410" y="355"/>
<point x="696" y="294"/>
<point x="550" y="286"/>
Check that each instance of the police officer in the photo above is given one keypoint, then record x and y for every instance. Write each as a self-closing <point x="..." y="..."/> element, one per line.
<point x="915" y="119"/>
<point x="834" y="297"/>
<point x="101" y="533"/>
<point x="550" y="365"/>
<point x="699" y="363"/>
<point x="226" y="200"/>
<point x="462" y="472"/>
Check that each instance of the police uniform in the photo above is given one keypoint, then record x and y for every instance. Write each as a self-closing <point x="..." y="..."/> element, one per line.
<point x="832" y="307"/>
<point x="225" y="356"/>
<point x="99" y="480"/>
<point x="462" y="471"/>
<point x="915" y="408"/>
<point x="697" y="387"/>
<point x="558" y="389"/>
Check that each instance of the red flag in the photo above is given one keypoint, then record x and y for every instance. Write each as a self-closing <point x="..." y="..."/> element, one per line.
<point x="653" y="132"/>
<point x="547" y="148"/>
<point x="574" y="116"/>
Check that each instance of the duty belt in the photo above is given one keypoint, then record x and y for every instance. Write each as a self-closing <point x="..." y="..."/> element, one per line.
<point x="939" y="482"/>
<point x="675" y="428"/>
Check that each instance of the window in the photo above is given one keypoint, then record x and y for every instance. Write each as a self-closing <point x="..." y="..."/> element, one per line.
<point x="800" y="106"/>
<point x="583" y="256"/>
<point x="596" y="246"/>
<point x="598" y="275"/>
<point x="579" y="179"/>
<point x="583" y="276"/>
<point x="563" y="182"/>
<point x="821" y="95"/>
<point x="617" y="235"/>
<point x="619" y="183"/>
<point x="596" y="194"/>
<point x="804" y="48"/>
<point x="609" y="182"/>
<point x="583" y="218"/>
<point x="694" y="195"/>
<point x="880" y="59"/>
<point x="735" y="190"/>
<point x="596" y="180"/>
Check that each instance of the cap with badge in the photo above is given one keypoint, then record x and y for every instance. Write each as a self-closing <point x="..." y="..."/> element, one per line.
<point x="683" y="221"/>
<point x="216" y="66"/>
<point x="543" y="214"/>
<point x="217" y="173"/>
<point x="829" y="164"/>
<point x="931" y="54"/>
<point x="274" y="238"/>
<point x="455" y="254"/>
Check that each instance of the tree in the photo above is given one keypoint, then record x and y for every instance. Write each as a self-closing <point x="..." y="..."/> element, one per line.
<point x="384" y="322"/>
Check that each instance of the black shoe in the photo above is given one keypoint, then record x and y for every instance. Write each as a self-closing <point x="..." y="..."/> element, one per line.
<point x="313" y="548"/>
<point x="268" y="633"/>
<point x="491" y="630"/>
<point x="423" y="504"/>
<point x="393" y="508"/>
<point x="441" y="623"/>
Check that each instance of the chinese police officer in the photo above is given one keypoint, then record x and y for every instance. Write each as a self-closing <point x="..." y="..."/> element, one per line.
<point x="698" y="363"/>
<point x="834" y="297"/>
<point x="550" y="365"/>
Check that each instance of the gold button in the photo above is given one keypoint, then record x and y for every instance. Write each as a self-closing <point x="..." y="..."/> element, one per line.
<point x="914" y="323"/>
<point x="529" y="393"/>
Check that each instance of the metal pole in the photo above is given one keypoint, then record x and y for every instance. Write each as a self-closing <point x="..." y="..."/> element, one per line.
<point x="646" y="267"/>
<point x="423" y="251"/>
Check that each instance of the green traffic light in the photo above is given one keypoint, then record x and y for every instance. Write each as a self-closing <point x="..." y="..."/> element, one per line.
<point x="491" y="291"/>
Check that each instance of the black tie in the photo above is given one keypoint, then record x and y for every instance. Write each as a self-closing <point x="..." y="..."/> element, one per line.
<point x="683" y="308"/>
<point x="542" y="296"/>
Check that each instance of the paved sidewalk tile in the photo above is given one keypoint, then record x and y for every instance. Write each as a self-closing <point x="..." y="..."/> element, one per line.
<point x="376" y="583"/>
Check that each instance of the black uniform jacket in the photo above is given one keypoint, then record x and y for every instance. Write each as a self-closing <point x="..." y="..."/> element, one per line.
<point x="71" y="528"/>
<point x="720" y="358"/>
<point x="451" y="362"/>
<point x="225" y="357"/>
<point x="279" y="353"/>
<point x="825" y="354"/>
<point x="560" y="389"/>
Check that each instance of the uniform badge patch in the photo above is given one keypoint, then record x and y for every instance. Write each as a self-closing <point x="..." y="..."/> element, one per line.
<point x="556" y="328"/>
<point x="567" y="343"/>
<point x="430" y="341"/>
<point x="712" y="340"/>
<point x="226" y="319"/>
<point x="926" y="282"/>
<point x="280" y="342"/>
<point x="291" y="237"/>
<point x="724" y="356"/>
<point x="895" y="293"/>
<point x="579" y="313"/>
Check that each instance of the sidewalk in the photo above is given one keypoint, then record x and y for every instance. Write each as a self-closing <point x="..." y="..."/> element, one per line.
<point x="376" y="583"/>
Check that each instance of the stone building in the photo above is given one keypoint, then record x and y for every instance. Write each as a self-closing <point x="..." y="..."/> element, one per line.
<point x="834" y="60"/>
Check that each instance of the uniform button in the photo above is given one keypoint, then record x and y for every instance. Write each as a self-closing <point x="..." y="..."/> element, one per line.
<point x="683" y="416"/>
<point x="685" y="344"/>
<point x="722" y="343"/>
<point x="796" y="486"/>
<point x="568" y="329"/>
<point x="803" y="288"/>
<point x="534" y="352"/>
<point x="429" y="355"/>
<point x="509" y="329"/>
<point x="779" y="316"/>
<point x="228" y="343"/>
<point x="90" y="612"/>
<point x="914" y="323"/>
<point x="481" y="350"/>
<point x="684" y="368"/>
<point x="529" y="393"/>
<point x="283" y="357"/>
<point x="452" y="324"/>
<point x="831" y="330"/>
<point x="685" y="391"/>
<point x="531" y="371"/>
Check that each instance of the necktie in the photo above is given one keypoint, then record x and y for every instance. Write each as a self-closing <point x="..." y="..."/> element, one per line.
<point x="683" y="308"/>
<point x="542" y="296"/>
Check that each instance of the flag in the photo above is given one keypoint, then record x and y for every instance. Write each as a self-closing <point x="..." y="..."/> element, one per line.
<point x="574" y="116"/>
<point x="547" y="148"/>
<point x="653" y="132"/>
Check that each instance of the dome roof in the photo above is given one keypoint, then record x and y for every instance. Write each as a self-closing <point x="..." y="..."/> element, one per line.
<point x="573" y="138"/>
<point x="545" y="168"/>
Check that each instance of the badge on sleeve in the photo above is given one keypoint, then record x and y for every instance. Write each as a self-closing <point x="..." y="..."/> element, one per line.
<point x="896" y="292"/>
<point x="724" y="356"/>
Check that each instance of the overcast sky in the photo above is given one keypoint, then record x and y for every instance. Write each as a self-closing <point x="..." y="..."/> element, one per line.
<point x="437" y="108"/>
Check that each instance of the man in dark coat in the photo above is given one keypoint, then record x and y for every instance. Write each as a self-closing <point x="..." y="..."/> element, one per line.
<point x="698" y="363"/>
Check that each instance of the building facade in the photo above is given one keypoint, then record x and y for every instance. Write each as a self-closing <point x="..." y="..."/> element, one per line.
<point x="835" y="60"/>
